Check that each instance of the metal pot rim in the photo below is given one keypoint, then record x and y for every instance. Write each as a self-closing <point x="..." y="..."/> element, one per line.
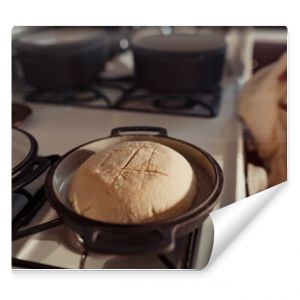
<point x="31" y="153"/>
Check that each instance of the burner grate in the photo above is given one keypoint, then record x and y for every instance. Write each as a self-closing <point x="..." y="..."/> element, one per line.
<point x="81" y="96"/>
<point x="34" y="203"/>
<point x="37" y="201"/>
<point x="122" y="93"/>
<point x="187" y="261"/>
<point x="201" y="104"/>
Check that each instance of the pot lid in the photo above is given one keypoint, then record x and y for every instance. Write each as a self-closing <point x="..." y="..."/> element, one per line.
<point x="180" y="43"/>
<point x="60" y="36"/>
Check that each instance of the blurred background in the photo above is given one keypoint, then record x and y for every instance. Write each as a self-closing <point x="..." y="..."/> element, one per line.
<point x="248" y="48"/>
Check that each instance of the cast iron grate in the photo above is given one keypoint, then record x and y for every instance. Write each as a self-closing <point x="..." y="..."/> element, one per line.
<point x="205" y="104"/>
<point x="186" y="263"/>
<point x="131" y="97"/>
<point x="80" y="96"/>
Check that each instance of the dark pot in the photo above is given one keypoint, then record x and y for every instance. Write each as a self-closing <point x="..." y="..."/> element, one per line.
<point x="62" y="58"/>
<point x="179" y="63"/>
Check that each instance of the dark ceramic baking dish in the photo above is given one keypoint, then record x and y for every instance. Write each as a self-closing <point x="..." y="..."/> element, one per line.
<point x="154" y="237"/>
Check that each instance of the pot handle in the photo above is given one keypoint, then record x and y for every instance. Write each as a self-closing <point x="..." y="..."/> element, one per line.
<point x="38" y="166"/>
<point x="156" y="241"/>
<point x="119" y="130"/>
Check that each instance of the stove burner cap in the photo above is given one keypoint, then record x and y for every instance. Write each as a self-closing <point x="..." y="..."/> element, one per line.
<point x="83" y="95"/>
<point x="65" y="96"/>
<point x="174" y="103"/>
<point x="74" y="240"/>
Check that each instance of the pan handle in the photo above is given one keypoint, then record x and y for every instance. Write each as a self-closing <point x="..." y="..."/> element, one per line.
<point x="38" y="166"/>
<point x="155" y="241"/>
<point x="119" y="130"/>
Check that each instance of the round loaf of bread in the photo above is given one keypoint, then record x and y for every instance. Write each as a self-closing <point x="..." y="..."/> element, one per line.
<point x="133" y="182"/>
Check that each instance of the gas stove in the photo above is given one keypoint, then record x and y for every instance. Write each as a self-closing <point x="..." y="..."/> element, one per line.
<point x="56" y="246"/>
<point x="116" y="89"/>
<point x="41" y="240"/>
<point x="62" y="120"/>
<point x="59" y="128"/>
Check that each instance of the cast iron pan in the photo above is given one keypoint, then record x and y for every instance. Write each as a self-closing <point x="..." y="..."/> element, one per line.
<point x="62" y="58"/>
<point x="179" y="63"/>
<point x="26" y="165"/>
<point x="154" y="237"/>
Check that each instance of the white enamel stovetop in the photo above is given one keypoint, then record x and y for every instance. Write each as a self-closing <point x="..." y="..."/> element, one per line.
<point x="60" y="128"/>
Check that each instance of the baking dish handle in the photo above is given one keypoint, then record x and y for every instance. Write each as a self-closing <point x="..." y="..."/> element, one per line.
<point x="155" y="241"/>
<point x="119" y="130"/>
<point x="37" y="167"/>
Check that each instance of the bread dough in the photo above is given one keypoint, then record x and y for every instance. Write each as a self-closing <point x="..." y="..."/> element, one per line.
<point x="133" y="182"/>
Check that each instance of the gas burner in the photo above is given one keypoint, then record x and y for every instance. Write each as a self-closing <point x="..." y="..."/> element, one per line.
<point x="74" y="241"/>
<point x="123" y="93"/>
<point x="75" y="96"/>
<point x="174" y="103"/>
<point x="201" y="104"/>
<point x="118" y="82"/>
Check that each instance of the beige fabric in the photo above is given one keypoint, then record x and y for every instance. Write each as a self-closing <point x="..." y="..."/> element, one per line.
<point x="259" y="107"/>
<point x="133" y="182"/>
